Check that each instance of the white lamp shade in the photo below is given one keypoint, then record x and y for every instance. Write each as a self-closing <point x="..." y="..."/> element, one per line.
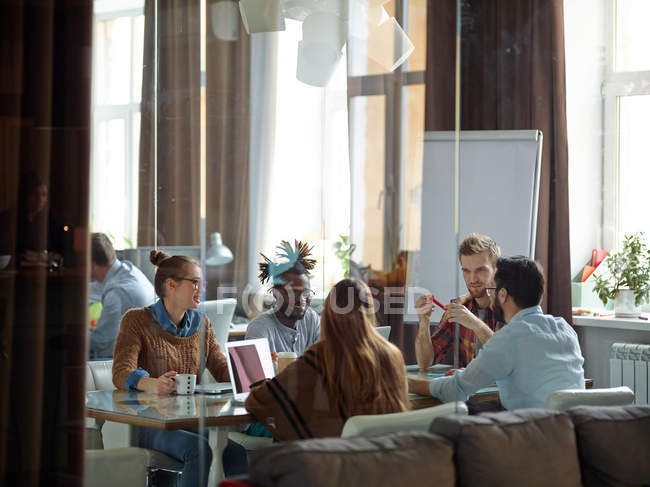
<point x="224" y="15"/>
<point x="261" y="15"/>
<point x="324" y="28"/>
<point x="323" y="36"/>
<point x="218" y="253"/>
<point x="316" y="64"/>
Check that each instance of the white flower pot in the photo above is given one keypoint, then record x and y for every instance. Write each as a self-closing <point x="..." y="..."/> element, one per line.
<point x="624" y="306"/>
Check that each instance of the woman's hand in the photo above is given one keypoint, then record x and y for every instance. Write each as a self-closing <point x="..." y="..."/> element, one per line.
<point x="164" y="384"/>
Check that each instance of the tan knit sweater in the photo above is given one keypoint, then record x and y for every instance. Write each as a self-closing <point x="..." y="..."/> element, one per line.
<point x="141" y="342"/>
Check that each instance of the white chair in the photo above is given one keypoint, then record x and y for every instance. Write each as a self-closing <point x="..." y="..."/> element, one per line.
<point x="220" y="313"/>
<point x="416" y="420"/>
<point x="99" y="377"/>
<point x="109" y="458"/>
<point x="250" y="443"/>
<point x="567" y="398"/>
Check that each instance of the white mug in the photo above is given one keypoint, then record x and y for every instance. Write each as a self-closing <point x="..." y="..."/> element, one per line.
<point x="285" y="358"/>
<point x="185" y="383"/>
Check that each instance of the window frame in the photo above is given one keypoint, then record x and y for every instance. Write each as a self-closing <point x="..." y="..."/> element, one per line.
<point x="125" y="112"/>
<point x="615" y="85"/>
<point x="392" y="86"/>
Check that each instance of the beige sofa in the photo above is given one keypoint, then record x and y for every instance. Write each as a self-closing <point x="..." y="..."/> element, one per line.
<point x="590" y="446"/>
<point x="110" y="459"/>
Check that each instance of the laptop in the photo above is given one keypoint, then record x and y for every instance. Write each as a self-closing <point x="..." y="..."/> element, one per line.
<point x="249" y="361"/>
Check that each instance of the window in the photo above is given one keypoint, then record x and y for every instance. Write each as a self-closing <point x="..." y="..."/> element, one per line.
<point x="626" y="92"/>
<point x="299" y="183"/>
<point x="118" y="31"/>
<point x="387" y="122"/>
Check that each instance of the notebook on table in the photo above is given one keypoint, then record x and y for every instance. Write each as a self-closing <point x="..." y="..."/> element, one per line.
<point x="214" y="388"/>
<point x="249" y="361"/>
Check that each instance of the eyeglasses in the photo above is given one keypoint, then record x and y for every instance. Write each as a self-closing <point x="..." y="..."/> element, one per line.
<point x="196" y="283"/>
<point x="491" y="290"/>
<point x="305" y="293"/>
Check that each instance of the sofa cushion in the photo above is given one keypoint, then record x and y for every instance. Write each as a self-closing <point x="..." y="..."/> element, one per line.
<point x="613" y="444"/>
<point x="412" y="459"/>
<point x="528" y="447"/>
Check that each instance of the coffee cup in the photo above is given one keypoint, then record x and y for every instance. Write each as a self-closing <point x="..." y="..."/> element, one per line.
<point x="285" y="358"/>
<point x="185" y="383"/>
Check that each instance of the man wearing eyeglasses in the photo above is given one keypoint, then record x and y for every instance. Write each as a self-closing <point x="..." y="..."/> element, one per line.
<point x="291" y="326"/>
<point x="533" y="356"/>
<point x="121" y="285"/>
<point x="478" y="255"/>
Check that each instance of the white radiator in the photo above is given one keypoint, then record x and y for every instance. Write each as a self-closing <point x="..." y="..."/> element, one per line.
<point x="629" y="365"/>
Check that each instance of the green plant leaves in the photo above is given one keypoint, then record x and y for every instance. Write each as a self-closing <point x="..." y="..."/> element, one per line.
<point x="630" y="269"/>
<point x="343" y="249"/>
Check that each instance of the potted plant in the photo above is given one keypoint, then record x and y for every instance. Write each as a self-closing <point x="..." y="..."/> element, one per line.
<point x="343" y="249"/>
<point x="628" y="282"/>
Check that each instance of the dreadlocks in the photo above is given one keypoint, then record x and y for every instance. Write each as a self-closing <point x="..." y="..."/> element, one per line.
<point x="297" y="260"/>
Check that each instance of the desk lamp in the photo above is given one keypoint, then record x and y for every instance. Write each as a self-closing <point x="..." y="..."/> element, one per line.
<point x="218" y="253"/>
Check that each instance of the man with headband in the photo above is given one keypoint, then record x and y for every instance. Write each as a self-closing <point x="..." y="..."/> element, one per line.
<point x="291" y="326"/>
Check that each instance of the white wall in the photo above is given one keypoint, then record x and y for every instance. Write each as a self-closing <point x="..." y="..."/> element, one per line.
<point x="586" y="31"/>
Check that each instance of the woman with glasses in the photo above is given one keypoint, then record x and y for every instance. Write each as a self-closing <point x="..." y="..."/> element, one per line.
<point x="159" y="341"/>
<point x="352" y="370"/>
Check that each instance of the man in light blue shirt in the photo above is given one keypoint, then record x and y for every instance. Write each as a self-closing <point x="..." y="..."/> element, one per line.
<point x="122" y="285"/>
<point x="534" y="355"/>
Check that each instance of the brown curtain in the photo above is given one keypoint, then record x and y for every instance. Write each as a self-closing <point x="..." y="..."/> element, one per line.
<point x="44" y="129"/>
<point x="177" y="98"/>
<point x="178" y="167"/>
<point x="512" y="77"/>
<point x="228" y="129"/>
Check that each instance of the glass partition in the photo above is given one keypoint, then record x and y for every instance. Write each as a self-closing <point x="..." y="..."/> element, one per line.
<point x="382" y="135"/>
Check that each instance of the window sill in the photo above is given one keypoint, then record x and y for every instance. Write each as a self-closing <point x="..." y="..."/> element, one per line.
<point x="612" y="322"/>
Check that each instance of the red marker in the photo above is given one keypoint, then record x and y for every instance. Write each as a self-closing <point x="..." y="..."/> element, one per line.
<point x="435" y="301"/>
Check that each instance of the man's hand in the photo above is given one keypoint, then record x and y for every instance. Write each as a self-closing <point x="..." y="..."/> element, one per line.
<point x="458" y="313"/>
<point x="419" y="386"/>
<point x="424" y="308"/>
<point x="423" y="348"/>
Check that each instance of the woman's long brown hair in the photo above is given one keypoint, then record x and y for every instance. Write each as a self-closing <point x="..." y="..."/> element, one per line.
<point x="359" y="365"/>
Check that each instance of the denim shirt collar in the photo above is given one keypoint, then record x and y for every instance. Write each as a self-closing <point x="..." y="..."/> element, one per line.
<point x="533" y="310"/>
<point x="189" y="324"/>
